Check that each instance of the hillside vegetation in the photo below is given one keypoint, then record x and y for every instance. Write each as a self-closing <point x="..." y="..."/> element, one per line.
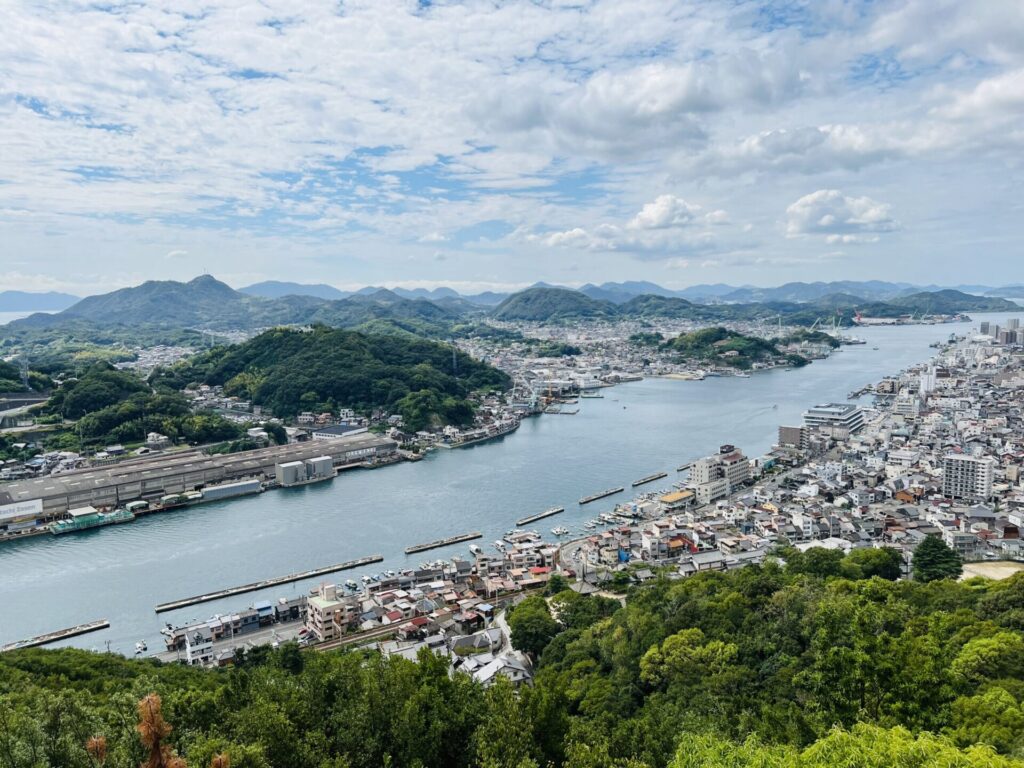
<point x="111" y="406"/>
<point x="724" y="347"/>
<point x="290" y="371"/>
<point x="822" y="662"/>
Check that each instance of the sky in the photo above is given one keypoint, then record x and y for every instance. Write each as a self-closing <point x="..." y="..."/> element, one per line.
<point x="489" y="145"/>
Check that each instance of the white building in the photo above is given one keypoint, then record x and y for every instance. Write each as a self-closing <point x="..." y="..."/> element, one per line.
<point x="846" y="415"/>
<point x="968" y="477"/>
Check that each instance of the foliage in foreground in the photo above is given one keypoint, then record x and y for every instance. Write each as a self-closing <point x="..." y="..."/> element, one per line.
<point x="819" y="662"/>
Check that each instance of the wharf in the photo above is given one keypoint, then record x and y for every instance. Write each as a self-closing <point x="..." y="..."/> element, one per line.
<point x="649" y="478"/>
<point x="540" y="516"/>
<point x="684" y="467"/>
<point x="601" y="495"/>
<point x="443" y="542"/>
<point x="53" y="637"/>
<point x="258" y="585"/>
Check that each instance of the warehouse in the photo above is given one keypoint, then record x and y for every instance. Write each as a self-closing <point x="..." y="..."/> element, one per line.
<point x="154" y="476"/>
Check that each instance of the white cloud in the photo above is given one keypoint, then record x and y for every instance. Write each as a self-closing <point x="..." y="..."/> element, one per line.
<point x="667" y="224"/>
<point x="253" y="135"/>
<point x="840" y="218"/>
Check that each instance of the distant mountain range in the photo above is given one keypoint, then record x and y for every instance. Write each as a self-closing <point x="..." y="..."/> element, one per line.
<point x="208" y="304"/>
<point x="27" y="301"/>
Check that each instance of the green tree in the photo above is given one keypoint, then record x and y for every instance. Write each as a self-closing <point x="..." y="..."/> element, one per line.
<point x="934" y="560"/>
<point x="532" y="626"/>
<point x="993" y="717"/>
<point x="865" y="562"/>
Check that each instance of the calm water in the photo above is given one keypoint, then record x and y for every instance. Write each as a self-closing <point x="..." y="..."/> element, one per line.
<point x="120" y="573"/>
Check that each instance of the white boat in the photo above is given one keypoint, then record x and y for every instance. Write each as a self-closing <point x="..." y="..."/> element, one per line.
<point x="351" y="584"/>
<point x="140" y="647"/>
<point x="475" y="549"/>
<point x="500" y="546"/>
<point x="590" y="525"/>
<point x="366" y="579"/>
<point x="560" y="531"/>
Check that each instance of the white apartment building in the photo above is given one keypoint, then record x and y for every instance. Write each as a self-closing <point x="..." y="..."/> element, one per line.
<point x="968" y="477"/>
<point x="719" y="475"/>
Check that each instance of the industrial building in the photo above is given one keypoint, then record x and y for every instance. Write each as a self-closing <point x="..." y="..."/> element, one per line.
<point x="32" y="502"/>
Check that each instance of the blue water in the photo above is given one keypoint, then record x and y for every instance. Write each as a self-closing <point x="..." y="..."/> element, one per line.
<point x="120" y="573"/>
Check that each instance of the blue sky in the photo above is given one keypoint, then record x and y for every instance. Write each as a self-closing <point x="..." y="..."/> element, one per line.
<point x="485" y="145"/>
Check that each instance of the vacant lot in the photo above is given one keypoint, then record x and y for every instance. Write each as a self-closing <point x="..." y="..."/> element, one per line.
<point x="997" y="570"/>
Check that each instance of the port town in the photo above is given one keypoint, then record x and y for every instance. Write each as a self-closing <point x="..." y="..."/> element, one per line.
<point x="493" y="484"/>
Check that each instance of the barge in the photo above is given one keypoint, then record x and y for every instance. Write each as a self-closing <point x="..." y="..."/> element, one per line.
<point x="443" y="542"/>
<point x="649" y="478"/>
<point x="540" y="515"/>
<point x="84" y="518"/>
<point x="601" y="495"/>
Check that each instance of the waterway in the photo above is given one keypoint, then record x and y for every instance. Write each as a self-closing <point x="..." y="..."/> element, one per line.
<point x="120" y="573"/>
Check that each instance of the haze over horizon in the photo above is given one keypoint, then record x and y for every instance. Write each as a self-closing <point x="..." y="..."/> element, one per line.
<point x="486" y="148"/>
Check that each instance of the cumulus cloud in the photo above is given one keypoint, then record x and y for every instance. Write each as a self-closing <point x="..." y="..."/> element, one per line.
<point x="241" y="131"/>
<point x="838" y="217"/>
<point x="666" y="224"/>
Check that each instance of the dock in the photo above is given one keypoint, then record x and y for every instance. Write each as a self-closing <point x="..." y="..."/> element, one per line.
<point x="53" y="637"/>
<point x="258" y="585"/>
<point x="649" y="478"/>
<point x="540" y="516"/>
<point x="601" y="495"/>
<point x="443" y="542"/>
<point x="684" y="467"/>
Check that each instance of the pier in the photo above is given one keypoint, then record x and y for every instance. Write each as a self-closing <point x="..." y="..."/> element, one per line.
<point x="649" y="478"/>
<point x="443" y="542"/>
<point x="540" y="516"/>
<point x="60" y="634"/>
<point x="258" y="585"/>
<point x="684" y="467"/>
<point x="601" y="495"/>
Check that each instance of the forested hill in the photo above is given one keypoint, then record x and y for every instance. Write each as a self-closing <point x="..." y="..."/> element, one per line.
<point x="292" y="370"/>
<point x="207" y="303"/>
<point x="823" y="662"/>
<point x="546" y="303"/>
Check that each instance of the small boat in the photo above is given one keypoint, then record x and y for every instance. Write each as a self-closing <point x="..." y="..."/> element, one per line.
<point x="140" y="647"/>
<point x="590" y="525"/>
<point x="500" y="546"/>
<point x="742" y="375"/>
<point x="475" y="549"/>
<point x="560" y="530"/>
<point x="875" y="348"/>
<point x="366" y="579"/>
<point x="351" y="585"/>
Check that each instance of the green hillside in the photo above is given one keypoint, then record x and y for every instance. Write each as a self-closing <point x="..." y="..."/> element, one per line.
<point x="822" y="662"/>
<point x="721" y="346"/>
<point x="552" y="305"/>
<point x="291" y="371"/>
